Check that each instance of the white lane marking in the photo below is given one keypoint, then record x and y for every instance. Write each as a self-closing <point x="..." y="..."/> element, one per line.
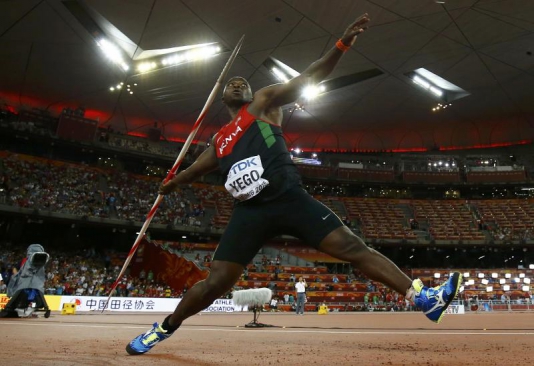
<point x="287" y="330"/>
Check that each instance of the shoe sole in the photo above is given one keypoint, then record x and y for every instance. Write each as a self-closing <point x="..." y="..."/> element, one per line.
<point x="133" y="352"/>
<point x="458" y="276"/>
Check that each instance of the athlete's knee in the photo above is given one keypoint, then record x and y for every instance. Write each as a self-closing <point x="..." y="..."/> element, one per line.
<point x="222" y="278"/>
<point x="360" y="249"/>
<point x="217" y="283"/>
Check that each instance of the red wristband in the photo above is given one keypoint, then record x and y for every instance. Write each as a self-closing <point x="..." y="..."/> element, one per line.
<point x="342" y="46"/>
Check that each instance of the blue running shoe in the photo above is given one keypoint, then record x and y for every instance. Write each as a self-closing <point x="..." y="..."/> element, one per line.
<point x="434" y="301"/>
<point x="144" y="342"/>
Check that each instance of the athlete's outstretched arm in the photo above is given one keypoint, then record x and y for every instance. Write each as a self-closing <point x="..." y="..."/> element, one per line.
<point x="205" y="163"/>
<point x="281" y="94"/>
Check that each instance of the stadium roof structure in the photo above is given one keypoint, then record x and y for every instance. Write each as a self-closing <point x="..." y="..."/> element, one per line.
<point x="49" y="59"/>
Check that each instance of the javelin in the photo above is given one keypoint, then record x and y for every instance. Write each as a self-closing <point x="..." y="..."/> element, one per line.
<point x="176" y="165"/>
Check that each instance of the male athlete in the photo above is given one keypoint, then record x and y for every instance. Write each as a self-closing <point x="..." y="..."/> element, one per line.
<point x="251" y="152"/>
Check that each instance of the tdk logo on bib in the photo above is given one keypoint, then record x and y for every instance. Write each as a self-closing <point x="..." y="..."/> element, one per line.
<point x="245" y="164"/>
<point x="244" y="179"/>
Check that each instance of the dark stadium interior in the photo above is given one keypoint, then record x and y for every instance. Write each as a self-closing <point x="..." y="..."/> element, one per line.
<point x="433" y="181"/>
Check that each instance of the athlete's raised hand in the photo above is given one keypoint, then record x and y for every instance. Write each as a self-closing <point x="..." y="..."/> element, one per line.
<point x="356" y="28"/>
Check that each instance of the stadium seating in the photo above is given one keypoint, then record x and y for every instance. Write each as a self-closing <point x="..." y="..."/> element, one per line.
<point x="379" y="218"/>
<point x="447" y="220"/>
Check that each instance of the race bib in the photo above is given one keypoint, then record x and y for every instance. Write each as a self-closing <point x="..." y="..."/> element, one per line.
<point x="244" y="179"/>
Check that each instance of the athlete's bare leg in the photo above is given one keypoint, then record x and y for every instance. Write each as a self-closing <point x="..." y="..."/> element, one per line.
<point x="223" y="275"/>
<point x="345" y="245"/>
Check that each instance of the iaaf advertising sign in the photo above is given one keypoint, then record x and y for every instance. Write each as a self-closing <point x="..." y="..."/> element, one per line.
<point x="136" y="304"/>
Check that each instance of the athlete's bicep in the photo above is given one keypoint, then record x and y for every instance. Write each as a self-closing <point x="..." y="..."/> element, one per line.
<point x="278" y="95"/>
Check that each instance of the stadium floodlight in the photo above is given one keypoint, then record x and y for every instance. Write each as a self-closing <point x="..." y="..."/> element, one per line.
<point x="526" y="280"/>
<point x="506" y="288"/>
<point x="425" y="84"/>
<point x="171" y="60"/>
<point x="508" y="275"/>
<point x="280" y="70"/>
<point x="484" y="281"/>
<point x="112" y="52"/>
<point x="312" y="91"/>
<point x="489" y="289"/>
<point x="481" y="275"/>
<point x="421" y="82"/>
<point x="436" y="86"/>
<point x="280" y="75"/>
<point x="494" y="275"/>
<point x="525" y="288"/>
<point x="202" y="53"/>
<point x="195" y="54"/>
<point x="466" y="274"/>
<point x="437" y="275"/>
<point x="146" y="66"/>
<point x="288" y="70"/>
<point x="436" y="91"/>
<point x="502" y="281"/>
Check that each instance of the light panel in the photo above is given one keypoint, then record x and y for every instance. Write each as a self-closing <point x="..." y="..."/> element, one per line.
<point x="112" y="52"/>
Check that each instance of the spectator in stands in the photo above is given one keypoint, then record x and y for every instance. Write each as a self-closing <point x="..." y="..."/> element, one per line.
<point x="272" y="286"/>
<point x="366" y="300"/>
<point x="276" y="273"/>
<point x="252" y="153"/>
<point x="376" y="299"/>
<point x="168" y="291"/>
<point x="3" y="286"/>
<point x="292" y="278"/>
<point x="291" y="299"/>
<point x="300" y="288"/>
<point x="335" y="279"/>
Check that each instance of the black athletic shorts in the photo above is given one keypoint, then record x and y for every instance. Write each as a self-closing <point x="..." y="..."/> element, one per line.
<point x="294" y="213"/>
